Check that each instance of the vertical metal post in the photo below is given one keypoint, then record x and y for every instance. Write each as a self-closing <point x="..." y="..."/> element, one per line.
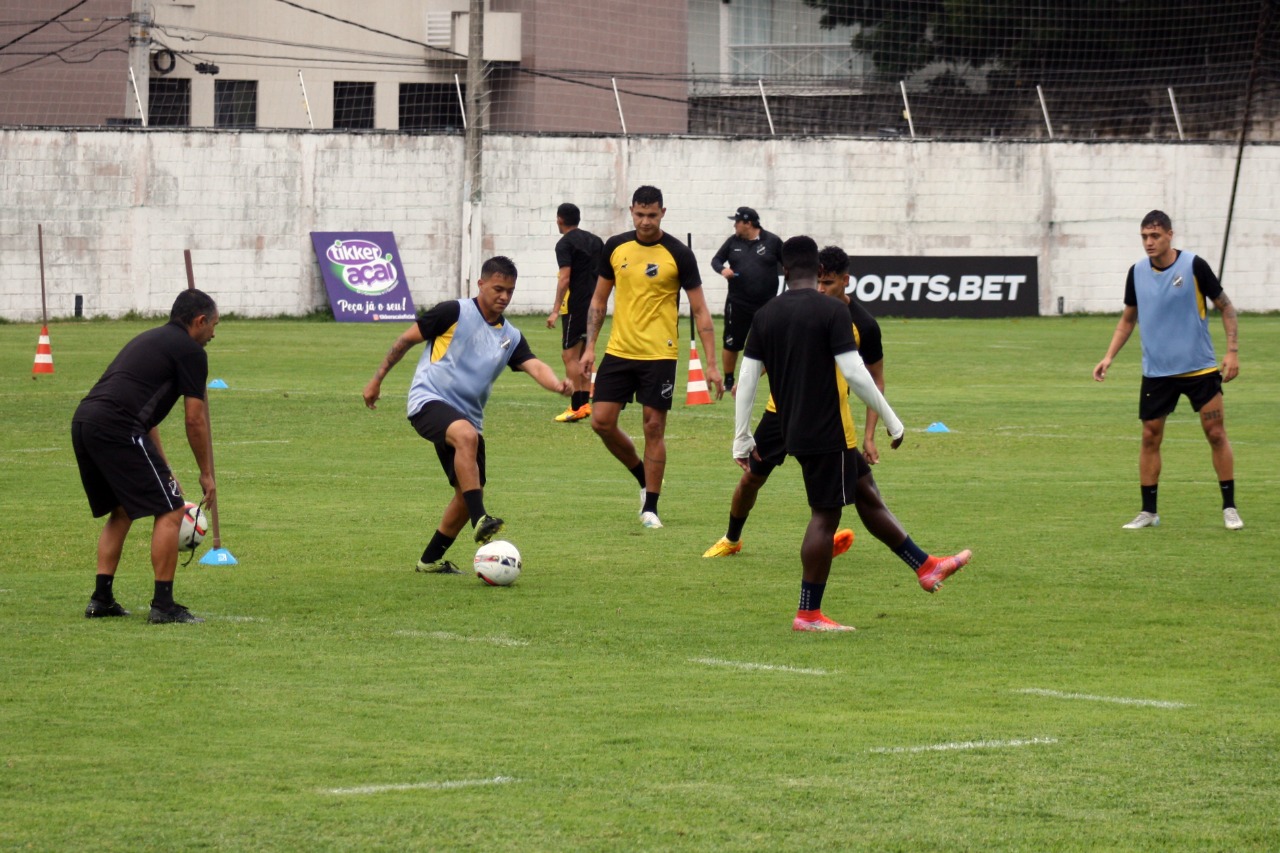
<point x="44" y="304"/>
<point x="618" y="101"/>
<point x="1044" y="109"/>
<point x="767" y="114"/>
<point x="473" y="183"/>
<point x="906" y="108"/>
<point x="306" y="102"/>
<point x="1176" y="118"/>
<point x="462" y="105"/>
<point x="142" y="113"/>
<point x="1263" y="20"/>
<point x="139" y="59"/>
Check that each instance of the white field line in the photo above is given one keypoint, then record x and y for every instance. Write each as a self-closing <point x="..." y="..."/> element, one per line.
<point x="236" y="618"/>
<point x="446" y="635"/>
<point x="971" y="744"/>
<point x="1115" y="700"/>
<point x="421" y="786"/>
<point x="761" y="667"/>
<point x="36" y="449"/>
<point x="259" y="441"/>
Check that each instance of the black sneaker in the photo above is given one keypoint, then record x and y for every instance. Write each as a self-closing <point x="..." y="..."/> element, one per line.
<point x="174" y="612"/>
<point x="441" y="567"/>
<point x="97" y="609"/>
<point x="488" y="528"/>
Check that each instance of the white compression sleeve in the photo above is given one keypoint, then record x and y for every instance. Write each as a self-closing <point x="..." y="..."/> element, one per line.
<point x="861" y="384"/>
<point x="744" y="401"/>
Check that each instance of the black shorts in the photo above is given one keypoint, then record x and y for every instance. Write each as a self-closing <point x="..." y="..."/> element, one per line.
<point x="769" y="445"/>
<point x="573" y="329"/>
<point x="1159" y="395"/>
<point x="652" y="383"/>
<point x="737" y="322"/>
<point x="831" y="479"/>
<point x="118" y="469"/>
<point x="432" y="421"/>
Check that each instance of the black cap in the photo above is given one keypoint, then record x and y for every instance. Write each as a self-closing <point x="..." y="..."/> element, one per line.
<point x="746" y="214"/>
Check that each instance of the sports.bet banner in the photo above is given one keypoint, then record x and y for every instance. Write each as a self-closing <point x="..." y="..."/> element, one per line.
<point x="946" y="287"/>
<point x="362" y="273"/>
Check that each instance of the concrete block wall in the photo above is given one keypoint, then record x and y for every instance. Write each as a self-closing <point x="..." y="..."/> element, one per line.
<point x="119" y="207"/>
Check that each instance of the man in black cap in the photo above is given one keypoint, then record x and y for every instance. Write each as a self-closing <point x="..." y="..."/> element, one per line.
<point x="751" y="262"/>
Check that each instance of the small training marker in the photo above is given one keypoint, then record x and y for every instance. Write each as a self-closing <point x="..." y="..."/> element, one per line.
<point x="936" y="426"/>
<point x="218" y="557"/>
<point x="218" y="383"/>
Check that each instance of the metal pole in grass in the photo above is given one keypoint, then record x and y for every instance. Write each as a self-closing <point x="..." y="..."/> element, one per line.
<point x="44" y="352"/>
<point x="218" y="556"/>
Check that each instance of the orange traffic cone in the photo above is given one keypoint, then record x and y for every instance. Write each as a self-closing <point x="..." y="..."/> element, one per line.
<point x="697" y="394"/>
<point x="44" y="353"/>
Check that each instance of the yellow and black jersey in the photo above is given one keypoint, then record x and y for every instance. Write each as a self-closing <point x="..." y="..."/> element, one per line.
<point x="797" y="336"/>
<point x="647" y="279"/>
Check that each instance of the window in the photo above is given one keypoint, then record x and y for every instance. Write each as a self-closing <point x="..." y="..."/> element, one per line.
<point x="353" y="106"/>
<point x="169" y="102"/>
<point x="235" y="103"/>
<point x="430" y="106"/>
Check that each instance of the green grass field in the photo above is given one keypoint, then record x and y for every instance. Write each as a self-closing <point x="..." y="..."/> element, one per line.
<point x="1077" y="687"/>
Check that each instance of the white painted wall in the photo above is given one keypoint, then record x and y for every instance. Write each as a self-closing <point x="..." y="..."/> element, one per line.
<point x="118" y="208"/>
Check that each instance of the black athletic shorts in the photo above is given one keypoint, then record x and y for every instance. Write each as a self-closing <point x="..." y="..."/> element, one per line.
<point x="432" y="422"/>
<point x="573" y="329"/>
<point x="831" y="479"/>
<point x="737" y="322"/>
<point x="769" y="445"/>
<point x="1159" y="395"/>
<point x="652" y="383"/>
<point x="118" y="469"/>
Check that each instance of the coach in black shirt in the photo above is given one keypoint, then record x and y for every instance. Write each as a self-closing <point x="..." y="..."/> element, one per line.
<point x="751" y="262"/>
<point x="122" y="463"/>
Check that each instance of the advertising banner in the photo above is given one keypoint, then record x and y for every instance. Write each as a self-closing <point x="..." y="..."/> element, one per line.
<point x="946" y="287"/>
<point x="362" y="273"/>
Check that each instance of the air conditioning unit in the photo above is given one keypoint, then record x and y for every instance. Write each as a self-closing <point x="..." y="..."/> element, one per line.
<point x="440" y="29"/>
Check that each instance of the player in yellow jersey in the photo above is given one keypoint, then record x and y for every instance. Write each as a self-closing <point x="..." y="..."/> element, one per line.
<point x="645" y="270"/>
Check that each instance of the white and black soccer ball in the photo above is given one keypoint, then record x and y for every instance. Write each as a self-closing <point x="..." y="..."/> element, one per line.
<point x="498" y="563"/>
<point x="194" y="527"/>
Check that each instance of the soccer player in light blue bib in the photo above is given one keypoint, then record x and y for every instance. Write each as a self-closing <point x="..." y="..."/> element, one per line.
<point x="1168" y="294"/>
<point x="470" y="343"/>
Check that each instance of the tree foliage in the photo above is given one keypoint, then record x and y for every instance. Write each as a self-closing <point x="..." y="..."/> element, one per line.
<point x="1138" y="40"/>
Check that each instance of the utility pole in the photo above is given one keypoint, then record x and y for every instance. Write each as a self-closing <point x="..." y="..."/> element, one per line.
<point x="473" y="180"/>
<point x="140" y="22"/>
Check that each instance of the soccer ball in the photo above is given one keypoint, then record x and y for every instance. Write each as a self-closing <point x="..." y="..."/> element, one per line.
<point x="498" y="563"/>
<point x="194" y="527"/>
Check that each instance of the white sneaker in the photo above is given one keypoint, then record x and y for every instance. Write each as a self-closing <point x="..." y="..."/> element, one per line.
<point x="650" y="520"/>
<point x="1232" y="519"/>
<point x="1144" y="519"/>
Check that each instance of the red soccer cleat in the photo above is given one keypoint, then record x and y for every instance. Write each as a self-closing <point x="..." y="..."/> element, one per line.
<point x="815" y="620"/>
<point x="937" y="569"/>
<point x="841" y="542"/>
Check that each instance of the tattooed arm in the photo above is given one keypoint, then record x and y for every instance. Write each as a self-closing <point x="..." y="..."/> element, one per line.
<point x="1230" y="361"/>
<point x="595" y="319"/>
<point x="411" y="338"/>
